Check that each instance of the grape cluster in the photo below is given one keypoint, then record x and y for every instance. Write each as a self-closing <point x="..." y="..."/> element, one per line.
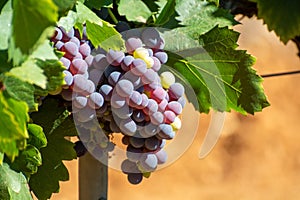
<point x="127" y="95"/>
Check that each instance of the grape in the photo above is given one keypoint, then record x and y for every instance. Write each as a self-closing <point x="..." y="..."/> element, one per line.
<point x="162" y="105"/>
<point x="96" y="100"/>
<point x="128" y="166"/>
<point x="78" y="66"/>
<point x="148" y="162"/>
<point x="152" y="107"/>
<point x="114" y="57"/>
<point x="138" y="67"/>
<point x="176" y="91"/>
<point x="135" y="80"/>
<point x="95" y="75"/>
<point x="122" y="26"/>
<point x="66" y="62"/>
<point x="89" y="88"/>
<point x="100" y="62"/>
<point x="125" y="65"/>
<point x="137" y="142"/>
<point x="100" y="112"/>
<point x="176" y="125"/>
<point x="117" y="101"/>
<point x="161" y="156"/>
<point x="85" y="50"/>
<point x="68" y="34"/>
<point x="76" y="41"/>
<point x="135" y="99"/>
<point x="128" y="126"/>
<point x="70" y="48"/>
<point x="78" y="56"/>
<point x="59" y="45"/>
<point x="89" y="60"/>
<point x="67" y="95"/>
<point x="175" y="107"/>
<point x="132" y="44"/>
<point x="182" y="101"/>
<point x="150" y="51"/>
<point x="123" y="112"/>
<point x="124" y="88"/>
<point x="135" y="178"/>
<point x="150" y="37"/>
<point x="162" y="57"/>
<point x="149" y="61"/>
<point x="149" y="76"/>
<point x="167" y="79"/>
<point x="110" y="69"/>
<point x="114" y="78"/>
<point x="79" y="83"/>
<point x="169" y="116"/>
<point x="125" y="140"/>
<point x="141" y="53"/>
<point x="138" y="116"/>
<point x="144" y="103"/>
<point x="152" y="143"/>
<point x="106" y="91"/>
<point x="166" y="131"/>
<point x="156" y="64"/>
<point x="80" y="102"/>
<point x="157" y="118"/>
<point x="133" y="33"/>
<point x="150" y="130"/>
<point x="68" y="78"/>
<point x="158" y="94"/>
<point x="80" y="148"/>
<point x="58" y="34"/>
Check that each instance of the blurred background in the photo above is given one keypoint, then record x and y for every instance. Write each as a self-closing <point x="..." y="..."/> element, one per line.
<point x="256" y="158"/>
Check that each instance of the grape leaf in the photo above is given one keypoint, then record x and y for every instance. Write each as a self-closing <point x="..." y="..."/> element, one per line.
<point x="31" y="73"/>
<point x="199" y="17"/>
<point x="53" y="70"/>
<point x="44" y="52"/>
<point x="5" y="21"/>
<point x="97" y="4"/>
<point x="167" y="15"/>
<point x="68" y="21"/>
<point x="37" y="136"/>
<point x="13" y="185"/>
<point x="98" y="31"/>
<point x="57" y="124"/>
<point x="31" y="20"/>
<point x="281" y="16"/>
<point x="1" y="158"/>
<point x="12" y="124"/>
<point x="220" y="75"/>
<point x="134" y="10"/>
<point x="64" y="5"/>
<point x="4" y="63"/>
<point x="21" y="91"/>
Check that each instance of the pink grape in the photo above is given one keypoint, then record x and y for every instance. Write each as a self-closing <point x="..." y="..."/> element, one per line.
<point x="85" y="50"/>
<point x="100" y="62"/>
<point x="149" y="76"/>
<point x="138" y="67"/>
<point x="132" y="44"/>
<point x="95" y="100"/>
<point x="158" y="94"/>
<point x="175" y="107"/>
<point x="169" y="116"/>
<point x="162" y="57"/>
<point x="78" y="66"/>
<point x="114" y="57"/>
<point x="124" y="88"/>
<point x="157" y="118"/>
<point x="80" y="102"/>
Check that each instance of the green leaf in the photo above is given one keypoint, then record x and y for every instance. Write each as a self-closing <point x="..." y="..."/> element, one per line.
<point x="30" y="72"/>
<point x="13" y="185"/>
<point x="68" y="21"/>
<point x="31" y="20"/>
<point x="220" y="75"/>
<point x="21" y="91"/>
<point x="5" y="24"/>
<point x="1" y="158"/>
<point x="281" y="16"/>
<point x="64" y="5"/>
<point x="28" y="161"/>
<point x="44" y="52"/>
<point x="53" y="70"/>
<point x="5" y="65"/>
<point x="97" y="4"/>
<point x="134" y="10"/>
<point x="12" y="124"/>
<point x="52" y="117"/>
<point x="199" y="17"/>
<point x="167" y="9"/>
<point x="37" y="136"/>
<point x="98" y="31"/>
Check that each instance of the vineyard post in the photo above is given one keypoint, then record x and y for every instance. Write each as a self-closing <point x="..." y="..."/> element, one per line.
<point x="93" y="178"/>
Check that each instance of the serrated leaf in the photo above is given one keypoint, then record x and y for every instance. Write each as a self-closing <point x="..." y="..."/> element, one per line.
<point x="68" y="21"/>
<point x="28" y="161"/>
<point x="53" y="70"/>
<point x="44" y="52"/>
<point x="199" y="17"/>
<point x="32" y="20"/>
<point x="220" y="75"/>
<point x="13" y="185"/>
<point x="20" y="90"/>
<point x="5" y="24"/>
<point x="98" y="31"/>
<point x="64" y="5"/>
<point x="37" y="136"/>
<point x="31" y="73"/>
<point x="12" y="124"/>
<point x="281" y="16"/>
<point x="134" y="10"/>
<point x="167" y="12"/>
<point x="46" y="180"/>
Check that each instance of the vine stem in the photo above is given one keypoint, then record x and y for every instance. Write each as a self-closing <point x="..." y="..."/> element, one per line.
<point x="93" y="178"/>
<point x="280" y="74"/>
<point x="113" y="17"/>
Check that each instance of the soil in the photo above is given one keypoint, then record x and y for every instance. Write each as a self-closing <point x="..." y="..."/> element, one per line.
<point x="256" y="157"/>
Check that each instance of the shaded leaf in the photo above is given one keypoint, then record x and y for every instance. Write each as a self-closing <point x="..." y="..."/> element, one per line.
<point x="134" y="10"/>
<point x="5" y="24"/>
<point x="37" y="136"/>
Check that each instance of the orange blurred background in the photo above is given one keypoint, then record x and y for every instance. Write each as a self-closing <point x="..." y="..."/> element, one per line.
<point x="256" y="157"/>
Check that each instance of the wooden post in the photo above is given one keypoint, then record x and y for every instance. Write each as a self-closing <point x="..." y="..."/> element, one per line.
<point x="93" y="178"/>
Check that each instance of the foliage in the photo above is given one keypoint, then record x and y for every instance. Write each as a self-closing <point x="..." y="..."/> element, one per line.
<point x="33" y="145"/>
